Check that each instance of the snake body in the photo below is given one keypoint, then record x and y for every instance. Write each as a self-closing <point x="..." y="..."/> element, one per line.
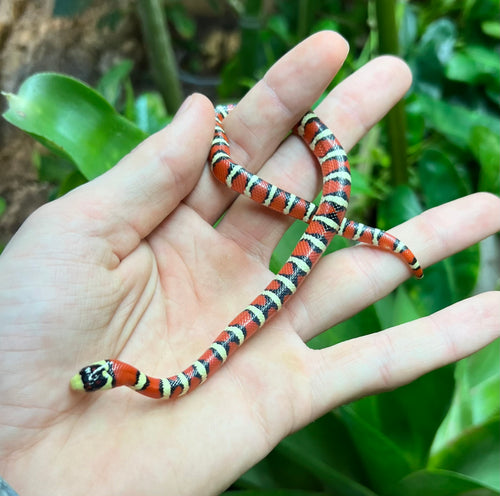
<point x="324" y="221"/>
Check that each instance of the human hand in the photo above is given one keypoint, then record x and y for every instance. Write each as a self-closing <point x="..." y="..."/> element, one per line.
<point x="128" y="266"/>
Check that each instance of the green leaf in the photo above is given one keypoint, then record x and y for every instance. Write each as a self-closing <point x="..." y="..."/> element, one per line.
<point x="111" y="84"/>
<point x="491" y="28"/>
<point x="182" y="22"/>
<point x="453" y="121"/>
<point x="439" y="179"/>
<point x="411" y="415"/>
<point x="401" y="204"/>
<point x="473" y="64"/>
<point x="73" y="120"/>
<point x="280" y="28"/>
<point x="431" y="55"/>
<point x="364" y="322"/>
<point x="72" y="181"/>
<point x="475" y="453"/>
<point x="439" y="39"/>
<point x="59" y="171"/>
<point x="448" y="281"/>
<point x="324" y="449"/>
<point x="150" y="112"/>
<point x="384" y="461"/>
<point x="396" y="308"/>
<point x="415" y="130"/>
<point x="277" y="472"/>
<point x="320" y="456"/>
<point x="52" y="168"/>
<point x="408" y="28"/>
<point x="485" y="145"/>
<point x="476" y="397"/>
<point x="434" y="482"/>
<point x="3" y="205"/>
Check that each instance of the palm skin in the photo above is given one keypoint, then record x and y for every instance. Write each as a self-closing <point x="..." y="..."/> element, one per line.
<point x="130" y="267"/>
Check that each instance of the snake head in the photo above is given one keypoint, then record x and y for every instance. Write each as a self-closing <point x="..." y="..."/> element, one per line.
<point x="93" y="377"/>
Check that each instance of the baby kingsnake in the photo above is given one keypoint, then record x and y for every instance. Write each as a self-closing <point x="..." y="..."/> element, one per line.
<point x="325" y="220"/>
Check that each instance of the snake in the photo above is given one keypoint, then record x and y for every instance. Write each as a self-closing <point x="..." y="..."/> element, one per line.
<point x="324" y="221"/>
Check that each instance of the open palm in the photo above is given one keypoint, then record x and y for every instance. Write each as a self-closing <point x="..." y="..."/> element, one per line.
<point x="130" y="267"/>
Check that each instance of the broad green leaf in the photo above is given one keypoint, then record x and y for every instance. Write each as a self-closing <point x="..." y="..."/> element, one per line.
<point x="475" y="453"/>
<point x="411" y="415"/>
<point x="150" y="113"/>
<point x="485" y="146"/>
<point x="52" y="168"/>
<point x="59" y="171"/>
<point x="277" y="472"/>
<point x="402" y="204"/>
<point x="364" y="322"/>
<point x="74" y="120"/>
<point x="447" y="282"/>
<point x="75" y="179"/>
<point x="112" y="82"/>
<point x="439" y="179"/>
<point x="482" y="376"/>
<point x="439" y="38"/>
<point x="433" y="482"/>
<point x="319" y="456"/>
<point x="182" y="22"/>
<point x="324" y="448"/>
<point x="473" y="64"/>
<point x="491" y="28"/>
<point x="453" y="121"/>
<point x="280" y="28"/>
<point x="3" y="205"/>
<point x="430" y="56"/>
<point x="396" y="308"/>
<point x="416" y="130"/>
<point x="477" y="395"/>
<point x="384" y="461"/>
<point x="408" y="29"/>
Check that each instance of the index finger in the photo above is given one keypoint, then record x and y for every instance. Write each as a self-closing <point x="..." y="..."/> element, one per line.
<point x="266" y="114"/>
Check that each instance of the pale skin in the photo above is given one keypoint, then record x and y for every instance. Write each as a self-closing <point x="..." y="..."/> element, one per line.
<point x="129" y="266"/>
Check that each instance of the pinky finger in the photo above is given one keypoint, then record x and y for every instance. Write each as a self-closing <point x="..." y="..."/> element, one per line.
<point x="399" y="355"/>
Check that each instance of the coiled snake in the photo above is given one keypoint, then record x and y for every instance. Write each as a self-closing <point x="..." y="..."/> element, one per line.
<point x="324" y="221"/>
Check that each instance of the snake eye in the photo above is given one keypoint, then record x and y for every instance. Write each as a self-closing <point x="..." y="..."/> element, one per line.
<point x="94" y="377"/>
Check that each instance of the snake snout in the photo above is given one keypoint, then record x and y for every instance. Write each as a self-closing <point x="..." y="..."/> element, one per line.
<point x="93" y="377"/>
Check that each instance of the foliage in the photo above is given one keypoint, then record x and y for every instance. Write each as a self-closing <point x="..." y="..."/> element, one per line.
<point x="440" y="434"/>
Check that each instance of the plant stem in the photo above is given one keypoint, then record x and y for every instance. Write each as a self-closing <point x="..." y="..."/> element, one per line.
<point x="396" y="118"/>
<point x="160" y="52"/>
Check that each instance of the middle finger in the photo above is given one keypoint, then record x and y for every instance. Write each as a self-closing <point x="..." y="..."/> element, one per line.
<point x="265" y="115"/>
<point x="349" y="110"/>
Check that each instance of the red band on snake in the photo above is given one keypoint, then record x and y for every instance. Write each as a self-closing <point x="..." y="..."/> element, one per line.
<point x="324" y="221"/>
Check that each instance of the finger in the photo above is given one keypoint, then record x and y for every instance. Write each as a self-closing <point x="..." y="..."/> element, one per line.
<point x="345" y="282"/>
<point x="385" y="360"/>
<point x="350" y="110"/>
<point x="125" y="204"/>
<point x="265" y="115"/>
